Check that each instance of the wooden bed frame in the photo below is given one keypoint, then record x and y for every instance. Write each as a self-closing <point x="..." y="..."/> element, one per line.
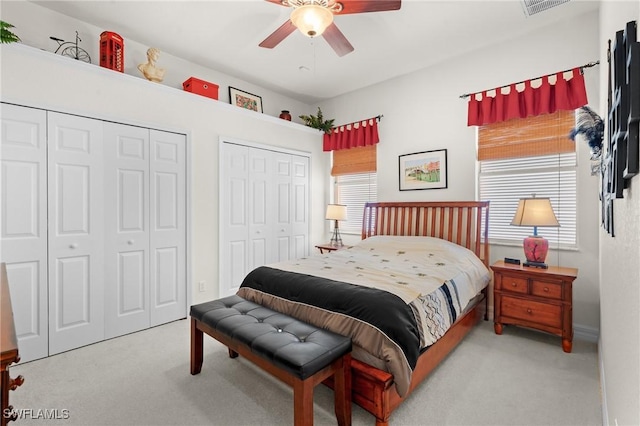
<point x="464" y="223"/>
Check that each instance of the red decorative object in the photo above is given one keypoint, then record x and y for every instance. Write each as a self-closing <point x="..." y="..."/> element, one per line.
<point x="362" y="133"/>
<point x="201" y="87"/>
<point x="547" y="98"/>
<point x="111" y="51"/>
<point x="536" y="248"/>
<point x="285" y="115"/>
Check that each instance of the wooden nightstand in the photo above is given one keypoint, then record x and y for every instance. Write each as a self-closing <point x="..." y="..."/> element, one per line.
<point x="536" y="298"/>
<point x="329" y="248"/>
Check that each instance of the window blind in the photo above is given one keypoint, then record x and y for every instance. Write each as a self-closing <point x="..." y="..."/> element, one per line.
<point x="532" y="136"/>
<point x="504" y="182"/>
<point x="354" y="160"/>
<point x="354" y="190"/>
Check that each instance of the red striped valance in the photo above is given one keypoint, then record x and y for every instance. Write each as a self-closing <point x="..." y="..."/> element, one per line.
<point x="361" y="133"/>
<point x="531" y="101"/>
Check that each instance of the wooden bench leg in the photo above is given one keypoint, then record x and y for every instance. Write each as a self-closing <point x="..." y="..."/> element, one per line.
<point x="342" y="391"/>
<point x="303" y="402"/>
<point x="196" y="347"/>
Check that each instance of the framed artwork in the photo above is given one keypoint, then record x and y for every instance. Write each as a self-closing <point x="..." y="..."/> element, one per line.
<point x="423" y="170"/>
<point x="245" y="100"/>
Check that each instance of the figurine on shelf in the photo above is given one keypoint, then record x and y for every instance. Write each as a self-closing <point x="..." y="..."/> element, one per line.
<point x="149" y="69"/>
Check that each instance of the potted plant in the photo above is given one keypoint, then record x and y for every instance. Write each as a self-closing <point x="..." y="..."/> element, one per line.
<point x="6" y="36"/>
<point x="318" y="121"/>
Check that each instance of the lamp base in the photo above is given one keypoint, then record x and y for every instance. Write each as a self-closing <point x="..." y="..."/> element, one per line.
<point x="540" y="265"/>
<point x="535" y="249"/>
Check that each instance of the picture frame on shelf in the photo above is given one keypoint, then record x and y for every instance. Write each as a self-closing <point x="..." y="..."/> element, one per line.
<point x="423" y="170"/>
<point x="245" y="100"/>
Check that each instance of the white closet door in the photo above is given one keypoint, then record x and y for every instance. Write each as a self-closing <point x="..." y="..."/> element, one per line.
<point x="24" y="224"/>
<point x="282" y="206"/>
<point x="259" y="206"/>
<point x="168" y="273"/>
<point x="126" y="192"/>
<point x="300" y="206"/>
<point x="76" y="232"/>
<point x="234" y="217"/>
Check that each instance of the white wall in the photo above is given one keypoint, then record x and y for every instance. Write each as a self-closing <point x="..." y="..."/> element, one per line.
<point x="422" y="111"/>
<point x="620" y="268"/>
<point x="34" y="25"/>
<point x="34" y="77"/>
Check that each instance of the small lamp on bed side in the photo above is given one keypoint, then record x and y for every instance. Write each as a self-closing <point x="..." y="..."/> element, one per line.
<point x="336" y="212"/>
<point x="535" y="212"/>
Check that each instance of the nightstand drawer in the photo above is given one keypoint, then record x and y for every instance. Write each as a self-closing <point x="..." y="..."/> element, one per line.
<point x="514" y="284"/>
<point x="530" y="311"/>
<point x="547" y="289"/>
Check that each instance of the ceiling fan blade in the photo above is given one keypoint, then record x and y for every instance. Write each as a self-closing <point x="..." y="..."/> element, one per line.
<point x="276" y="2"/>
<point x="278" y="35"/>
<point x="362" y="6"/>
<point x="337" y="40"/>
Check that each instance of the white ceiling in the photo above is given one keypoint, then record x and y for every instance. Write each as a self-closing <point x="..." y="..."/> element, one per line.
<point x="224" y="35"/>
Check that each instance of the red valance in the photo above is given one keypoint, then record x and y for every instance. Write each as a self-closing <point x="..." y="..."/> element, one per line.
<point x="547" y="98"/>
<point x="361" y="133"/>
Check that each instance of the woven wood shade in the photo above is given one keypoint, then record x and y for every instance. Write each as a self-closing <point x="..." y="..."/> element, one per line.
<point x="527" y="137"/>
<point x="354" y="160"/>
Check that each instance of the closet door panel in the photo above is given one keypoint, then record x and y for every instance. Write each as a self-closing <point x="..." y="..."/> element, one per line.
<point x="167" y="227"/>
<point x="23" y="223"/>
<point x="127" y="229"/>
<point x="283" y="211"/>
<point x="234" y="218"/>
<point x="259" y="206"/>
<point x="300" y="206"/>
<point x="76" y="232"/>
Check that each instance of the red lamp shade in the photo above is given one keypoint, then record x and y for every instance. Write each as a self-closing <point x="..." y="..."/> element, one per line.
<point x="535" y="212"/>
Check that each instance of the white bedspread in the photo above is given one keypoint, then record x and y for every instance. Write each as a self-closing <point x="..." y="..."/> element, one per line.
<point x="412" y="268"/>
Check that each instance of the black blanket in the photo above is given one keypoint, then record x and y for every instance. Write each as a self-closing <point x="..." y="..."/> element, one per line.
<point x="379" y="308"/>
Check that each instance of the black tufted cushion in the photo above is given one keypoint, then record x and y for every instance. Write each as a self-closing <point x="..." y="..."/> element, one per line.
<point x="290" y="344"/>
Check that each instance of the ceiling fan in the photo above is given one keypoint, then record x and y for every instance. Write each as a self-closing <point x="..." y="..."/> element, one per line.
<point x="315" y="17"/>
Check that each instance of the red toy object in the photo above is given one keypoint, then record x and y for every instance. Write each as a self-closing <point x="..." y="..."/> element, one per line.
<point x="201" y="87"/>
<point x="111" y="51"/>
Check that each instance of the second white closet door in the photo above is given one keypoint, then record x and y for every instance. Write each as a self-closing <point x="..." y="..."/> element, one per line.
<point x="145" y="242"/>
<point x="126" y="193"/>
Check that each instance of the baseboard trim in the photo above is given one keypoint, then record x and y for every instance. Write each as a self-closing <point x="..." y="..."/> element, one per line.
<point x="603" y="388"/>
<point x="583" y="332"/>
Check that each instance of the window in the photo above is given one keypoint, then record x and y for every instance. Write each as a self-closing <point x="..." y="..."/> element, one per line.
<point x="354" y="190"/>
<point x="522" y="157"/>
<point x="355" y="183"/>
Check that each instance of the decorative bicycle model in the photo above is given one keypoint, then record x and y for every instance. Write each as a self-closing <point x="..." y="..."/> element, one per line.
<point x="71" y="49"/>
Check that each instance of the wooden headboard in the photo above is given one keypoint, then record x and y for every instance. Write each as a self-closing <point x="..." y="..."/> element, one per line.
<point x="462" y="222"/>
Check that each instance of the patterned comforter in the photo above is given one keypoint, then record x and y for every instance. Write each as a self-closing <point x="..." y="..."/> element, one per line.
<point x="395" y="296"/>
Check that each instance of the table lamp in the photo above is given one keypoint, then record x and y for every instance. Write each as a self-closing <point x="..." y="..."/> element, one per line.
<point x="535" y="212"/>
<point x="336" y="212"/>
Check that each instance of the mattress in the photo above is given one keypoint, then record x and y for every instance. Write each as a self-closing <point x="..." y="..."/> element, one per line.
<point x="393" y="295"/>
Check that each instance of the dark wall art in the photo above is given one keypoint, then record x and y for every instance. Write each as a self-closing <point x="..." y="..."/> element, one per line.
<point x="622" y="161"/>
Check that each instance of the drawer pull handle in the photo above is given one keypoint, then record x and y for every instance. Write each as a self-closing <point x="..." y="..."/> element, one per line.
<point x="528" y="310"/>
<point x="513" y="284"/>
<point x="546" y="289"/>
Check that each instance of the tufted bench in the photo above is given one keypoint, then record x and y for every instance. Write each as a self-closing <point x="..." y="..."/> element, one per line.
<point x="295" y="352"/>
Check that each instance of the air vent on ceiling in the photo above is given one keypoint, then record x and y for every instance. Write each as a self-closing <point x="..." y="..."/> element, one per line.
<point x="531" y="7"/>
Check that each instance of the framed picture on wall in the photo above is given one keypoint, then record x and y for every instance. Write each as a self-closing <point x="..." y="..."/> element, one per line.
<point x="245" y="100"/>
<point x="423" y="170"/>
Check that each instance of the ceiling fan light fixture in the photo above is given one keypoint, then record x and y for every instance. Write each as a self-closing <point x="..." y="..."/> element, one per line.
<point x="311" y="19"/>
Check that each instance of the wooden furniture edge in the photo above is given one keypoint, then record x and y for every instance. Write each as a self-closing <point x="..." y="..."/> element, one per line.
<point x="338" y="370"/>
<point x="8" y="349"/>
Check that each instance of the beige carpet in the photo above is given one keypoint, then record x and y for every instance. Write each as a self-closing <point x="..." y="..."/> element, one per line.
<point x="519" y="378"/>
